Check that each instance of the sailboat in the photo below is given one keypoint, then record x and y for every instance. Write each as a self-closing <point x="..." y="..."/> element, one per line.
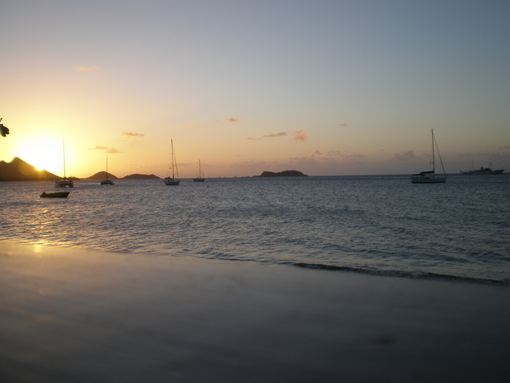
<point x="171" y="181"/>
<point x="430" y="176"/>
<point x="200" y="177"/>
<point x="64" y="182"/>
<point x="107" y="181"/>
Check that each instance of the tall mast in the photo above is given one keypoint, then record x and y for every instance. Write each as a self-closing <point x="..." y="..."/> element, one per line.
<point x="64" y="153"/>
<point x="173" y="158"/>
<point x="433" y="153"/>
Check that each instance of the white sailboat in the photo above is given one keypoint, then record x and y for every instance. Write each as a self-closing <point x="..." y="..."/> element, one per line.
<point x="171" y="181"/>
<point x="64" y="182"/>
<point x="107" y="181"/>
<point x="430" y="176"/>
<point x="200" y="177"/>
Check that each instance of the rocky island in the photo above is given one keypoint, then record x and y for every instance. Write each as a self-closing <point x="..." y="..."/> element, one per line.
<point x="285" y="173"/>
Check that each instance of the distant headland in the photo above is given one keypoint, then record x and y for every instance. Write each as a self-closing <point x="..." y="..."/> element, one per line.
<point x="285" y="173"/>
<point x="19" y="170"/>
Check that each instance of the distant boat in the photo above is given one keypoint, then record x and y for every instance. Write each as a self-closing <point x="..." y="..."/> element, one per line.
<point x="171" y="181"/>
<point x="200" y="177"/>
<point x="430" y="176"/>
<point x="107" y="181"/>
<point x="63" y="194"/>
<point x="64" y="182"/>
<point x="483" y="171"/>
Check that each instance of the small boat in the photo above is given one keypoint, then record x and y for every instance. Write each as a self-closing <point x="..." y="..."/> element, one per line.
<point x="64" y="182"/>
<point x="430" y="176"/>
<point x="63" y="194"/>
<point x="107" y="181"/>
<point x="200" y="177"/>
<point x="171" y="181"/>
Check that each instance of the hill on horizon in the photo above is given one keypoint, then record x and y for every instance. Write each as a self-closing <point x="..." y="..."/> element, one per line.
<point x="285" y="173"/>
<point x="19" y="170"/>
<point x="137" y="176"/>
<point x="102" y="175"/>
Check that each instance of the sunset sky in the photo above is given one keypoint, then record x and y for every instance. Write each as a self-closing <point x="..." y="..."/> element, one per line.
<point x="326" y="87"/>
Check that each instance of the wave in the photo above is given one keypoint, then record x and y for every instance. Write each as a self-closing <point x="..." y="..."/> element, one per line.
<point x="399" y="273"/>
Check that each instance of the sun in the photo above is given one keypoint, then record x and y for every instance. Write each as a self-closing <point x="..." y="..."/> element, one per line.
<point x="43" y="152"/>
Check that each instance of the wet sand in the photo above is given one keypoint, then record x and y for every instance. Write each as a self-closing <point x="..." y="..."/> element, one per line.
<point x="70" y="315"/>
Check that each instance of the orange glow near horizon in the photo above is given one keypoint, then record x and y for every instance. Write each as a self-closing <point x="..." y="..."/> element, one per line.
<point x="42" y="152"/>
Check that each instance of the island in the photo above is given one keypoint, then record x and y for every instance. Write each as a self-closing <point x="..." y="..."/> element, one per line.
<point x="19" y="170"/>
<point x="102" y="175"/>
<point x="141" y="177"/>
<point x="285" y="173"/>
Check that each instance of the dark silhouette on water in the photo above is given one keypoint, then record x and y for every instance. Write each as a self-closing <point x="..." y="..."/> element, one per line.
<point x="64" y="182"/>
<point x="171" y="181"/>
<point x="107" y="180"/>
<point x="63" y="194"/>
<point x="200" y="177"/>
<point x="285" y="173"/>
<point x="483" y="171"/>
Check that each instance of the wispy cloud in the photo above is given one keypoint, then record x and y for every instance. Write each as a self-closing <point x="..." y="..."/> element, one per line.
<point x="269" y="135"/>
<point x="106" y="149"/>
<point x="299" y="135"/>
<point x="86" y="68"/>
<point x="273" y="135"/>
<point x="133" y="134"/>
<point x="343" y="125"/>
<point x="405" y="156"/>
<point x="232" y="120"/>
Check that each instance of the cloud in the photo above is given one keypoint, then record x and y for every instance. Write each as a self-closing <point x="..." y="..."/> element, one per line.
<point x="86" y="68"/>
<point x="133" y="134"/>
<point x="318" y="153"/>
<point x="232" y="120"/>
<point x="343" y="125"/>
<point x="269" y="135"/>
<point x="272" y="135"/>
<point x="106" y="149"/>
<point x="405" y="156"/>
<point x="299" y="135"/>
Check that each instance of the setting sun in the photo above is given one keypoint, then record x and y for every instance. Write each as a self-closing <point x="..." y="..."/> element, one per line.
<point x="43" y="152"/>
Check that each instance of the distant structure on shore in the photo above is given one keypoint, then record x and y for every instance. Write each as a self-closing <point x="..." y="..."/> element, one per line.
<point x="285" y="173"/>
<point x="19" y="170"/>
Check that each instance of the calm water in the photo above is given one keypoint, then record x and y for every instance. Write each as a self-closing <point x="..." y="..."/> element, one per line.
<point x="378" y="225"/>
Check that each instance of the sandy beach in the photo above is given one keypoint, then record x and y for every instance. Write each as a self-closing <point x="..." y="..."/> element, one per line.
<point x="73" y="315"/>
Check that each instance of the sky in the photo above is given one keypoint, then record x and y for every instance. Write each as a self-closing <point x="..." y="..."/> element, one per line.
<point x="325" y="87"/>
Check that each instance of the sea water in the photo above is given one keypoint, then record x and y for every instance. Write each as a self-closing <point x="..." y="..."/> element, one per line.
<point x="371" y="224"/>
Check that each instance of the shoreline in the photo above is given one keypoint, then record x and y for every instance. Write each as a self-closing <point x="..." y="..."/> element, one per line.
<point x="69" y="314"/>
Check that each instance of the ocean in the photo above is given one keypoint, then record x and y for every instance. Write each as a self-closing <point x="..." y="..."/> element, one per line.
<point x="369" y="224"/>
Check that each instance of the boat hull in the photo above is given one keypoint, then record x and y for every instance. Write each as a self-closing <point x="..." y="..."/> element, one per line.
<point x="55" y="194"/>
<point x="64" y="183"/>
<point x="198" y="179"/>
<point x="171" y="182"/>
<point x="106" y="182"/>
